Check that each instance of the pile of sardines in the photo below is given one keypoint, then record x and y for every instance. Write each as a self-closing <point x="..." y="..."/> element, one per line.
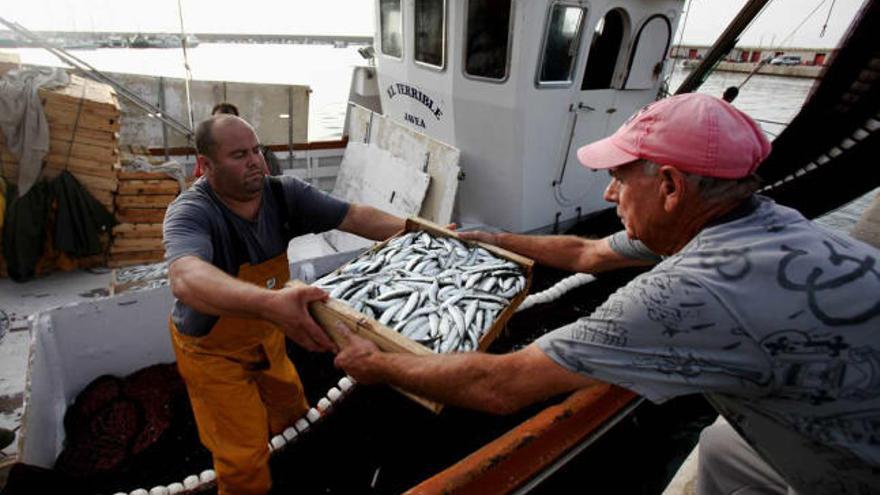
<point x="434" y="290"/>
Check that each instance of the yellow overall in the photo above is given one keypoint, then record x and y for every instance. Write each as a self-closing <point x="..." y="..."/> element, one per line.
<point x="243" y="388"/>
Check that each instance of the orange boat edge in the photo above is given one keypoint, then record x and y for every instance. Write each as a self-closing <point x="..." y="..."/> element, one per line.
<point x="511" y="460"/>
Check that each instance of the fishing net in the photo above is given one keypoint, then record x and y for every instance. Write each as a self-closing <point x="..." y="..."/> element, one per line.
<point x="121" y="432"/>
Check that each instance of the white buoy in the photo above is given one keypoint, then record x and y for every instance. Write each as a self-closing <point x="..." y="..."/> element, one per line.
<point x="324" y="404"/>
<point x="159" y="490"/>
<point x="334" y="394"/>
<point x="313" y="415"/>
<point x="278" y="442"/>
<point x="290" y="433"/>
<point x="346" y="383"/>
<point x="301" y="425"/>
<point x="190" y="482"/>
<point x="207" y="476"/>
<point x="140" y="491"/>
<point x="175" y="488"/>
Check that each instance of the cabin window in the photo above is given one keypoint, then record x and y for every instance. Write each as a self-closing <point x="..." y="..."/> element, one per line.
<point x="430" y="32"/>
<point x="560" y="45"/>
<point x="488" y="39"/>
<point x="602" y="60"/>
<point x="391" y="28"/>
<point x="649" y="52"/>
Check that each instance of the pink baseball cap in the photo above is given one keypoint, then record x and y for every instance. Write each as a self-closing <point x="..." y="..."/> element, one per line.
<point x="693" y="132"/>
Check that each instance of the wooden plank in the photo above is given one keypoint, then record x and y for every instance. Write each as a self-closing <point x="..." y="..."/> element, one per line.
<point x="146" y="201"/>
<point x="66" y="132"/>
<point x="81" y="87"/>
<point x="71" y="106"/>
<point x="105" y="154"/>
<point x="135" y="230"/>
<point x="169" y="186"/>
<point x="140" y="215"/>
<point x="136" y="258"/>
<point x="91" y="182"/>
<point x="85" y="121"/>
<point x="131" y="245"/>
<point x="126" y="175"/>
<point x="97" y="168"/>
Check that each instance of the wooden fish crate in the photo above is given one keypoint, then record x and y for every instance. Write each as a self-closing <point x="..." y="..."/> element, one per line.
<point x="332" y="312"/>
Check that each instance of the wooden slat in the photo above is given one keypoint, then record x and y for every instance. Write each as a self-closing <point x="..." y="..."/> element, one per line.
<point x="125" y="175"/>
<point x="135" y="230"/>
<point x="136" y="258"/>
<point x="130" y="245"/>
<point x="146" y="201"/>
<point x="84" y="121"/>
<point x="140" y="215"/>
<point x="66" y="132"/>
<point x="70" y="106"/>
<point x="148" y="187"/>
<point x="103" y="154"/>
<point x="79" y="87"/>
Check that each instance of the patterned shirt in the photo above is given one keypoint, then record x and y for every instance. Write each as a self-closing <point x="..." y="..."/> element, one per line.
<point x="776" y="320"/>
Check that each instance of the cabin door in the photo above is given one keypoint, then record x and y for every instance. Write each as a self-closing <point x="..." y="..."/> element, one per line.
<point x="592" y="113"/>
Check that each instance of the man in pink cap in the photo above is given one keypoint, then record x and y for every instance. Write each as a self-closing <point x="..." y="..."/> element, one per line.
<point x="771" y="317"/>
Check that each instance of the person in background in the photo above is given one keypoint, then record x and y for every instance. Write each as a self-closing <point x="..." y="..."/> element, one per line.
<point x="770" y="316"/>
<point x="226" y="241"/>
<point x="730" y="94"/>
<point x="273" y="166"/>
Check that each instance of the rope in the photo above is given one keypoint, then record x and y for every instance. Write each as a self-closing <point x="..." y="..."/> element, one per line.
<point x="188" y="78"/>
<point x="557" y="291"/>
<point x="79" y="107"/>
<point x="827" y="18"/>
<point x="665" y="90"/>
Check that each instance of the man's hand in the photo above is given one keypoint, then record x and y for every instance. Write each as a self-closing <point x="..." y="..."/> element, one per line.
<point x="479" y="236"/>
<point x="354" y="358"/>
<point x="289" y="309"/>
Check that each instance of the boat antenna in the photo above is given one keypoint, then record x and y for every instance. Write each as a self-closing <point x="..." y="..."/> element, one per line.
<point x="188" y="77"/>
<point x="827" y="18"/>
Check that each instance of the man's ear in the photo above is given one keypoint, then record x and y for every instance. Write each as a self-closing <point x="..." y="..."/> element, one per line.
<point x="204" y="163"/>
<point x="673" y="187"/>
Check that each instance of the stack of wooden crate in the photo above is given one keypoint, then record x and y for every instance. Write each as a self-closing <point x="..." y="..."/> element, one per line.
<point x="141" y="201"/>
<point x="83" y="122"/>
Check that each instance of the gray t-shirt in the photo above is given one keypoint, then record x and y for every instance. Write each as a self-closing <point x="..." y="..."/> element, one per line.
<point x="635" y="249"/>
<point x="197" y="223"/>
<point x="777" y="321"/>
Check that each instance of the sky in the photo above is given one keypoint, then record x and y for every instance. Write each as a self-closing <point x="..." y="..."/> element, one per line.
<point x="705" y="18"/>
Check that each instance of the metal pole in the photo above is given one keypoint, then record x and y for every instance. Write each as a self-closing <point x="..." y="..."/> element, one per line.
<point x="162" y="107"/>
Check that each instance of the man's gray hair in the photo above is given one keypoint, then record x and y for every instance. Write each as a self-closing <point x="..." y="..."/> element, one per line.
<point x="714" y="189"/>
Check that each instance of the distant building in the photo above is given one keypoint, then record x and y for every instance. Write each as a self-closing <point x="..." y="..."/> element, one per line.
<point x="809" y="56"/>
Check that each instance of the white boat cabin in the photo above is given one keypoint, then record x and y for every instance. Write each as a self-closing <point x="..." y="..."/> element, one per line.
<point x="518" y="86"/>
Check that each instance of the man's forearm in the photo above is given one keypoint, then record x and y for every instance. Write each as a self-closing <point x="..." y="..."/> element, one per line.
<point x="464" y="380"/>
<point x="557" y="251"/>
<point x="568" y="252"/>
<point x="209" y="290"/>
<point x="371" y="223"/>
